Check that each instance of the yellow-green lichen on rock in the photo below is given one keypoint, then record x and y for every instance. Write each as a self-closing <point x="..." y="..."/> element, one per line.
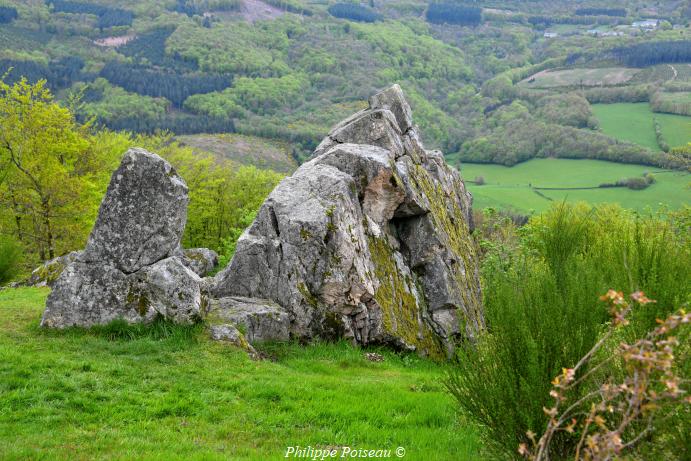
<point x="398" y="300"/>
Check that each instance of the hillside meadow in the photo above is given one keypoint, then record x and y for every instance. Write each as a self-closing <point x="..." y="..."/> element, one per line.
<point x="633" y="122"/>
<point x="513" y="187"/>
<point x="167" y="392"/>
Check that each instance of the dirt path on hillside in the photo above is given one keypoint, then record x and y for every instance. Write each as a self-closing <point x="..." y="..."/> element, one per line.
<point x="114" y="41"/>
<point x="674" y="71"/>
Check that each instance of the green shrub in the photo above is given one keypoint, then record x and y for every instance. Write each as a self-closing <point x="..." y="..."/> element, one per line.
<point x="637" y="183"/>
<point x="542" y="311"/>
<point x="10" y="257"/>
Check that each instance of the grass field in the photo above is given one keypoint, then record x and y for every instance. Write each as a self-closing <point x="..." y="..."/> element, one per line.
<point x="512" y="187"/>
<point x="676" y="129"/>
<point x="168" y="393"/>
<point x="633" y="122"/>
<point x="579" y="77"/>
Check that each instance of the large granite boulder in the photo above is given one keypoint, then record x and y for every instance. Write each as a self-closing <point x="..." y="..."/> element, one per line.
<point x="130" y="268"/>
<point x="370" y="240"/>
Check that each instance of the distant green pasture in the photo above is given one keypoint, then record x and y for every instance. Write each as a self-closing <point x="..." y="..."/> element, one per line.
<point x="633" y="122"/>
<point x="518" y="187"/>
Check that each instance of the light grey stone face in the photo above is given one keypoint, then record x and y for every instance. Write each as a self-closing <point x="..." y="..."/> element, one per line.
<point x="93" y="294"/>
<point x="260" y="320"/>
<point x="143" y="215"/>
<point x="393" y="100"/>
<point x="369" y="240"/>
<point x="171" y="289"/>
<point x="127" y="270"/>
<point x="200" y="260"/>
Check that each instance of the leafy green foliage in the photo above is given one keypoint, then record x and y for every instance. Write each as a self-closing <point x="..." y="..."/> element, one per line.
<point x="174" y="87"/>
<point x="258" y="95"/>
<point x="112" y="104"/>
<point x="238" y="48"/>
<point x="56" y="172"/>
<point x="646" y="54"/>
<point x="541" y="312"/>
<point x="107" y="17"/>
<point x="600" y="12"/>
<point x="567" y="109"/>
<point x="672" y="103"/>
<point x="10" y="258"/>
<point x="49" y="169"/>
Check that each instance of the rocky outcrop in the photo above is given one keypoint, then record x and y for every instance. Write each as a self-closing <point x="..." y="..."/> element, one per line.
<point x="369" y="240"/>
<point x="130" y="268"/>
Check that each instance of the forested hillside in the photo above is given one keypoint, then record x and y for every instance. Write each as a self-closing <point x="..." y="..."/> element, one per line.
<point x="288" y="70"/>
<point x="489" y="83"/>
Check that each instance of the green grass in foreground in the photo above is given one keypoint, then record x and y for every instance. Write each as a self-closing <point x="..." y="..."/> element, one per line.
<point x="633" y="122"/>
<point x="510" y="187"/>
<point x="169" y="393"/>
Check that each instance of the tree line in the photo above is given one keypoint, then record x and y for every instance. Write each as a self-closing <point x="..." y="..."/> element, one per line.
<point x="59" y="73"/>
<point x="107" y="16"/>
<point x="651" y="53"/>
<point x="354" y="12"/>
<point x="545" y="21"/>
<point x="452" y="13"/>
<point x="149" y="48"/>
<point x="601" y="12"/>
<point x="170" y="85"/>
<point x="179" y="123"/>
<point x="7" y="14"/>
<point x="199" y="7"/>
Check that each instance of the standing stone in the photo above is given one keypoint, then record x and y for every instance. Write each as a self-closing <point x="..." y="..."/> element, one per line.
<point x="130" y="269"/>
<point x="143" y="215"/>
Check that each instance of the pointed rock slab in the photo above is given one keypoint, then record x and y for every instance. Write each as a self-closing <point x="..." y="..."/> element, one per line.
<point x="126" y="271"/>
<point x="369" y="240"/>
<point x="393" y="100"/>
<point x="143" y="215"/>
